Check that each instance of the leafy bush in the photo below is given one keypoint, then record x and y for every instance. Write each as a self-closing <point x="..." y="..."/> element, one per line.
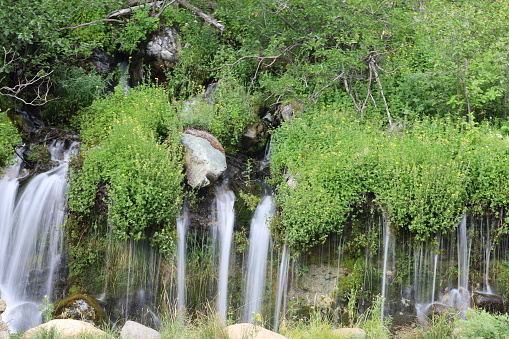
<point x="9" y="138"/>
<point x="227" y="117"/>
<point x="75" y="89"/>
<point x="481" y="324"/>
<point x="134" y="148"/>
<point x="424" y="176"/>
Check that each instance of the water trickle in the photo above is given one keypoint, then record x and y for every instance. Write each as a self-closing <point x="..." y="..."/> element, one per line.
<point x="460" y="297"/>
<point x="282" y="285"/>
<point x="32" y="238"/>
<point x="182" y="226"/>
<point x="387" y="243"/>
<point x="259" y="239"/>
<point x="225" y="200"/>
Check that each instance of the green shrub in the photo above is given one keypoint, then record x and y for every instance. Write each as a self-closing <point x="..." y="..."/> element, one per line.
<point x="75" y="89"/>
<point x="9" y="138"/>
<point x="423" y="177"/>
<point x="134" y="149"/>
<point x="481" y="324"/>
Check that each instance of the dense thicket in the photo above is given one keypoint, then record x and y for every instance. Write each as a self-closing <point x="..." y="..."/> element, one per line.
<point x="400" y="105"/>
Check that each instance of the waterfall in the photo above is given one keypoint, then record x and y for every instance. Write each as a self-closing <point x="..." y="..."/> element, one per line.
<point x="32" y="238"/>
<point x="387" y="241"/>
<point x="282" y="285"/>
<point x="225" y="200"/>
<point x="182" y="226"/>
<point x="259" y="239"/>
<point x="460" y="297"/>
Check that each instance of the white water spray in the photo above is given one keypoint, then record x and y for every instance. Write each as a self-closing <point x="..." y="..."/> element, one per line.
<point x="225" y="200"/>
<point x="259" y="239"/>
<point x="282" y="285"/>
<point x="182" y="226"/>
<point x="32" y="238"/>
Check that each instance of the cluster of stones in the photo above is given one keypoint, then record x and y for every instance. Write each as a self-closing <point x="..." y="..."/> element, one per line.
<point x="4" y="334"/>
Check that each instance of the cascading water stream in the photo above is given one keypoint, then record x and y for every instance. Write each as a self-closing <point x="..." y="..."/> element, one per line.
<point x="32" y="238"/>
<point x="460" y="297"/>
<point x="225" y="200"/>
<point x="387" y="240"/>
<point x="182" y="226"/>
<point x="259" y="240"/>
<point x="282" y="285"/>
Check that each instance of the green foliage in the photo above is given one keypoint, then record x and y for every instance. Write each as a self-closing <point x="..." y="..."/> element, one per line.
<point x="226" y="118"/>
<point x="137" y="28"/>
<point x="423" y="176"/>
<point x="138" y="157"/>
<point x="47" y="309"/>
<point x="371" y="322"/>
<point x="493" y="326"/>
<point x="9" y="138"/>
<point x="75" y="89"/>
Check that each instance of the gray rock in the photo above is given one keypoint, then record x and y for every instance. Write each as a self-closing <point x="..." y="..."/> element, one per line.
<point x="134" y="330"/>
<point x="164" y="48"/>
<point x="204" y="158"/>
<point x="254" y="135"/>
<point x="3" y="306"/>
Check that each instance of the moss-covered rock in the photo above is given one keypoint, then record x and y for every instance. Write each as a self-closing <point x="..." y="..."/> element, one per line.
<point x="80" y="307"/>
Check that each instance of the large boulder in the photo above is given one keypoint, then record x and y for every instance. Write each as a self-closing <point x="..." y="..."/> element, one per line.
<point x="163" y="50"/>
<point x="134" y="330"/>
<point x="251" y="331"/>
<point x="80" y="307"/>
<point x="66" y="328"/>
<point x="204" y="159"/>
<point x="489" y="302"/>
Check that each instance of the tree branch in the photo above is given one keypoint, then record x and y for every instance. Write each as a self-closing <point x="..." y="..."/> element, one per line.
<point x="208" y="19"/>
<point x="87" y="24"/>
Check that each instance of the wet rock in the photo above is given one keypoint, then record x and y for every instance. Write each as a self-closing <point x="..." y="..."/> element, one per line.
<point x="3" y="306"/>
<point x="320" y="287"/>
<point x="134" y="330"/>
<point x="350" y="333"/>
<point x="66" y="328"/>
<point x="101" y="60"/>
<point x="489" y="302"/>
<point x="80" y="307"/>
<point x="247" y="330"/>
<point x="255" y="136"/>
<point x="204" y="158"/>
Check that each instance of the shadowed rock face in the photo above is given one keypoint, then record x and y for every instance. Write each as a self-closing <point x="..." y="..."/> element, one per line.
<point x="489" y="302"/>
<point x="204" y="161"/>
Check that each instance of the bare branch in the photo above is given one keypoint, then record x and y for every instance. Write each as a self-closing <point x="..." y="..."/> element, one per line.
<point x="157" y="4"/>
<point x="87" y="24"/>
<point x="40" y="80"/>
<point x="208" y="19"/>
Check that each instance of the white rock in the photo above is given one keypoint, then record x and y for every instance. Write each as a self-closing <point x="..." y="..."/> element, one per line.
<point x="134" y="330"/>
<point x="204" y="163"/>
<point x="4" y="335"/>
<point x="66" y="328"/>
<point x="247" y="330"/>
